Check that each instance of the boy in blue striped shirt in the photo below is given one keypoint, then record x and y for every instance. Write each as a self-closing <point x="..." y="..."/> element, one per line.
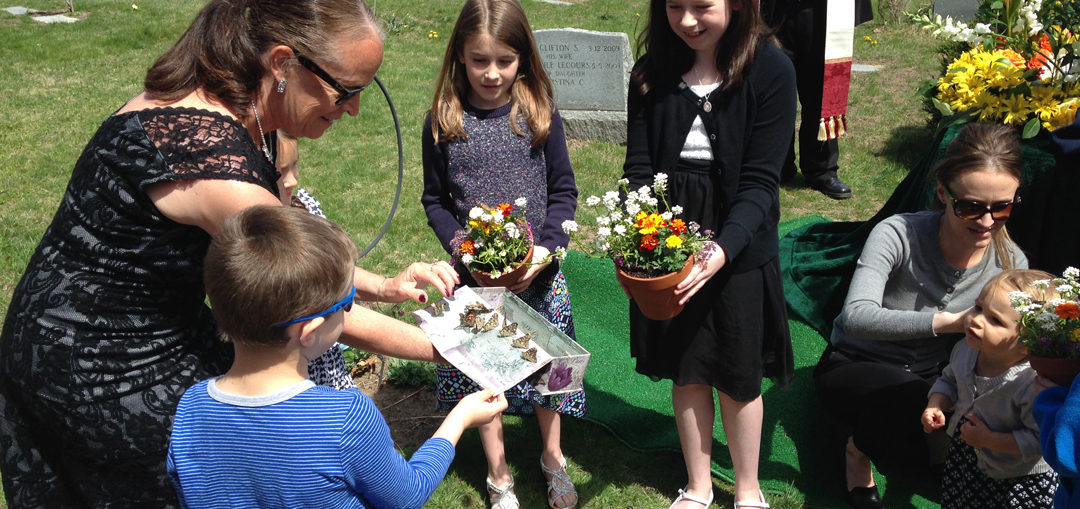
<point x="262" y="435"/>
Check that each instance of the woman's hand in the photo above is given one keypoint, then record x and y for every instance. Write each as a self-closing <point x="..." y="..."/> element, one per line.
<point x="410" y="283"/>
<point x="539" y="253"/>
<point x="701" y="273"/>
<point x="946" y="322"/>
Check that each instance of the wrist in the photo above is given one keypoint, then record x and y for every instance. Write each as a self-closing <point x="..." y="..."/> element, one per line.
<point x="378" y="292"/>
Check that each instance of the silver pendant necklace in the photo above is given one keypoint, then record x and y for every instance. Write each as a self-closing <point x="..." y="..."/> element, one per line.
<point x="705" y="102"/>
<point x="262" y="136"/>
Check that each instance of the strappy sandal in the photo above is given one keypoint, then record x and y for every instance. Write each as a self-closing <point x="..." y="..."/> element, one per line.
<point x="760" y="503"/>
<point x="559" y="485"/>
<point x="502" y="498"/>
<point x="683" y="495"/>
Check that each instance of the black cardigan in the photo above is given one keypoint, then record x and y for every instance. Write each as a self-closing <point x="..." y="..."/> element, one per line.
<point x="750" y="127"/>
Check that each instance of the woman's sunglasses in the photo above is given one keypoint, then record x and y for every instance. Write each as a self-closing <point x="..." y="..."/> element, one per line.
<point x="344" y="94"/>
<point x="974" y="210"/>
<point x="345" y="304"/>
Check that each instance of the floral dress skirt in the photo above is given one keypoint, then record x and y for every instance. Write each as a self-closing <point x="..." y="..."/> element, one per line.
<point x="964" y="485"/>
<point x="549" y="296"/>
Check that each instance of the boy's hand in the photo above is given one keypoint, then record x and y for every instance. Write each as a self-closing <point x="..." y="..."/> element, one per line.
<point x="481" y="407"/>
<point x="932" y="418"/>
<point x="975" y="432"/>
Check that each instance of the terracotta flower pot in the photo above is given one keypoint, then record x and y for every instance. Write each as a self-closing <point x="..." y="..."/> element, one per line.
<point x="656" y="296"/>
<point x="507" y="278"/>
<point x="1060" y="371"/>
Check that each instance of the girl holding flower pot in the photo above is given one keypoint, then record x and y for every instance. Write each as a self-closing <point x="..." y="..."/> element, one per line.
<point x="712" y="104"/>
<point x="494" y="137"/>
<point x="915" y="280"/>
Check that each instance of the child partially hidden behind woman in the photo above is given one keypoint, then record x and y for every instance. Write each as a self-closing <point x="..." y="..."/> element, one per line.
<point x="995" y="459"/>
<point x="263" y="434"/>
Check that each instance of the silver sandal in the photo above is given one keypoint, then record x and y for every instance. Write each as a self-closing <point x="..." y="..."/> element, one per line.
<point x="559" y="485"/>
<point x="502" y="498"/>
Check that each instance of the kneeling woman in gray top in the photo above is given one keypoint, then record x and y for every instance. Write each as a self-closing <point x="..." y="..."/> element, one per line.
<point x="916" y="277"/>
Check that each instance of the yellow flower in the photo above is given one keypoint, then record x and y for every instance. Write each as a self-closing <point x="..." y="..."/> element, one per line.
<point x="1075" y="336"/>
<point x="1017" y="109"/>
<point x="673" y="241"/>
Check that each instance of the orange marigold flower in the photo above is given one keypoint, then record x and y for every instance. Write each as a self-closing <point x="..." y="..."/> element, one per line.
<point x="1041" y="55"/>
<point x="505" y="208"/>
<point x="678" y="227"/>
<point x="1014" y="57"/>
<point x="649" y="242"/>
<point x="468" y="247"/>
<point x="1068" y="310"/>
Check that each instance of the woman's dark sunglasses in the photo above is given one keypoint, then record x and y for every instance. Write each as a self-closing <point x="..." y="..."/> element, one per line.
<point x="344" y="94"/>
<point x="974" y="210"/>
<point x="345" y="304"/>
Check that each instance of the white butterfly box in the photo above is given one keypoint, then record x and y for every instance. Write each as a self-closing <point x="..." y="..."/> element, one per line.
<point x="497" y="340"/>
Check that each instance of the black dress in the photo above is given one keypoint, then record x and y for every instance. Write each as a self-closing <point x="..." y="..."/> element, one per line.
<point x="108" y="325"/>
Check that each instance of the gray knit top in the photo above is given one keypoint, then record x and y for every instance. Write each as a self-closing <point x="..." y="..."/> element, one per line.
<point x="901" y="280"/>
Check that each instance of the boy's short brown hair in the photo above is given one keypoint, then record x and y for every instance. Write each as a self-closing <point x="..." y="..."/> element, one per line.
<point x="271" y="264"/>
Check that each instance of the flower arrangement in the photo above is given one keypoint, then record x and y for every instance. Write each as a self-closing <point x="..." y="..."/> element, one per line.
<point x="1020" y="66"/>
<point x="497" y="239"/>
<point x="1051" y="327"/>
<point x="641" y="234"/>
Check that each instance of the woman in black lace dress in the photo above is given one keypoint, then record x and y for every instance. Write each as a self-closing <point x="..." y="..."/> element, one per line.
<point x="107" y="326"/>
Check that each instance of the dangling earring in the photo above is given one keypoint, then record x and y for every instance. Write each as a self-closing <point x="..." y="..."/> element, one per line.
<point x="281" y="86"/>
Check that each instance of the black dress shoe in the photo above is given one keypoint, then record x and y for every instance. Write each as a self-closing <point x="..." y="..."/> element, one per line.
<point x="832" y="187"/>
<point x="864" y="498"/>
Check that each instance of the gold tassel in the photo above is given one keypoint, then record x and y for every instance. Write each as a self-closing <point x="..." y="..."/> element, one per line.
<point x="841" y="129"/>
<point x="822" y="134"/>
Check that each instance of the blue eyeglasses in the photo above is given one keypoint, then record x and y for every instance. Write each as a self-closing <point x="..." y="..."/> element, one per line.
<point x="343" y="304"/>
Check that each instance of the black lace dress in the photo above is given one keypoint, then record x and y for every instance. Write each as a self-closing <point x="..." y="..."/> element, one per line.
<point x="108" y="325"/>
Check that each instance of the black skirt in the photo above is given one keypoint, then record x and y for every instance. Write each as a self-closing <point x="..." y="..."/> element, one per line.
<point x="734" y="331"/>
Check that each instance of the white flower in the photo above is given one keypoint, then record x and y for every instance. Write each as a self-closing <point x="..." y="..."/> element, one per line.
<point x="497" y="218"/>
<point x="660" y="182"/>
<point x="602" y="244"/>
<point x="569" y="226"/>
<point x="616" y="216"/>
<point x="632" y="208"/>
<point x="478" y="242"/>
<point x="485" y="217"/>
<point x="623" y="182"/>
<point x="677" y="210"/>
<point x="521" y="202"/>
<point x="603" y="220"/>
<point x="652" y="201"/>
<point x="512" y="230"/>
<point x="476" y="212"/>
<point x="466" y="259"/>
<point x="592" y="201"/>
<point x="620" y="229"/>
<point x="1065" y="288"/>
<point x="1072" y="273"/>
<point x="560" y="253"/>
<point x="1041" y="283"/>
<point x="644" y="192"/>
<point x="666" y="215"/>
<point x="603" y="231"/>
<point x="611" y="200"/>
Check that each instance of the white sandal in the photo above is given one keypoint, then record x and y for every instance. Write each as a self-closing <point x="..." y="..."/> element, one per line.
<point x="683" y="495"/>
<point x="502" y="498"/>
<point x="759" y="504"/>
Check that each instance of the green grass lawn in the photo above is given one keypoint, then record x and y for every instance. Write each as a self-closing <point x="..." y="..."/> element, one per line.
<point x="58" y="83"/>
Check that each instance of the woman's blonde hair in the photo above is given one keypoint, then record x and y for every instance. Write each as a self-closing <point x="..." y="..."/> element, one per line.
<point x="532" y="96"/>
<point x="989" y="147"/>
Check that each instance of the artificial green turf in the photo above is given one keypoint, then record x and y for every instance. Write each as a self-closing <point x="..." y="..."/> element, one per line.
<point x="798" y="447"/>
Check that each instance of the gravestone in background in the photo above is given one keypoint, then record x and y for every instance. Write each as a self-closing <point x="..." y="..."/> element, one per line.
<point x="963" y="10"/>
<point x="590" y="72"/>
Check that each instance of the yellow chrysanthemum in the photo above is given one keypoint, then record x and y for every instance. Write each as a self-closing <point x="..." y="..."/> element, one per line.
<point x="673" y="241"/>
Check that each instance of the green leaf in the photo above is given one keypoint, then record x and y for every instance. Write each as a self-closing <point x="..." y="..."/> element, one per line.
<point x="1032" y="128"/>
<point x="943" y="107"/>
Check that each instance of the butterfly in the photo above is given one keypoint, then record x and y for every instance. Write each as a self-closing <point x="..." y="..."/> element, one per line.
<point x="509" y="329"/>
<point x="438" y="308"/>
<point x="478" y="308"/>
<point x="468" y="319"/>
<point x="520" y="342"/>
<point x="484" y="326"/>
<point x="529" y="355"/>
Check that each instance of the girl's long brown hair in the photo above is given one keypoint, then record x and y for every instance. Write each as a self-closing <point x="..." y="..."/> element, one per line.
<point x="532" y="95"/>
<point x="663" y="56"/>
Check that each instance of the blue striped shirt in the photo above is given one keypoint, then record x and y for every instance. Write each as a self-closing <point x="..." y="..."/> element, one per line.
<point x="306" y="446"/>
